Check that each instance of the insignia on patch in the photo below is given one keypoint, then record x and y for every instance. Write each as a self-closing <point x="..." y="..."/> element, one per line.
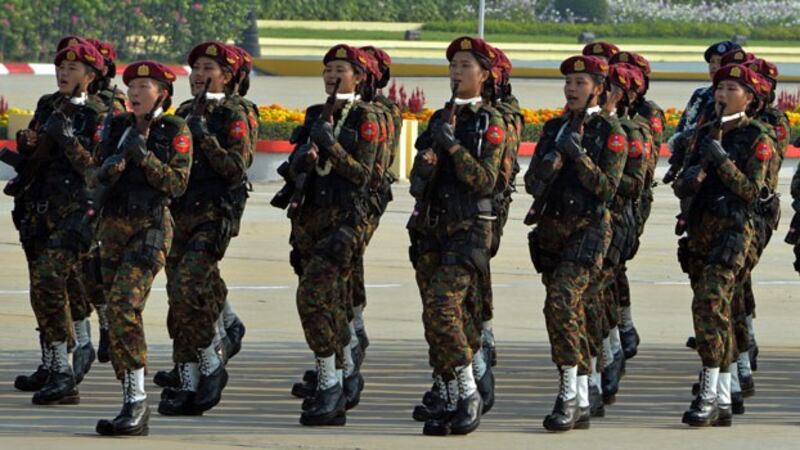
<point x="623" y="57"/>
<point x="231" y="60"/>
<point x="71" y="56"/>
<point x="656" y="125"/>
<point x="616" y="142"/>
<point x="763" y="151"/>
<point x="89" y="58"/>
<point x="598" y="49"/>
<point x="495" y="135"/>
<point x="721" y="48"/>
<point x="736" y="72"/>
<point x="211" y="50"/>
<point x="579" y="66"/>
<point x="636" y="149"/>
<point x="780" y="132"/>
<point x="143" y="71"/>
<point x="369" y="131"/>
<point x="466" y="44"/>
<point x="181" y="143"/>
<point x="341" y="53"/>
<point x="238" y="129"/>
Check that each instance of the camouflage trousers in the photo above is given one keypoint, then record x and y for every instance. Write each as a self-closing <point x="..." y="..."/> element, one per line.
<point x="87" y="286"/>
<point x="447" y="275"/>
<point x="596" y="303"/>
<point x="325" y="244"/>
<point x="716" y="254"/>
<point x="133" y="250"/>
<point x="195" y="287"/>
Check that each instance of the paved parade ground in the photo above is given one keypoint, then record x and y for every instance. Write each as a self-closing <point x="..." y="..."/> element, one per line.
<point x="257" y="410"/>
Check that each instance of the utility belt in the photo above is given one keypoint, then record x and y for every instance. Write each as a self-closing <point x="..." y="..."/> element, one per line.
<point x="572" y="203"/>
<point x="136" y="203"/>
<point x="213" y="194"/>
<point x="725" y="206"/>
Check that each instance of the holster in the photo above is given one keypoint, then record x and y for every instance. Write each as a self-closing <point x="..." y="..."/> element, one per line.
<point x="728" y="246"/>
<point x="543" y="262"/>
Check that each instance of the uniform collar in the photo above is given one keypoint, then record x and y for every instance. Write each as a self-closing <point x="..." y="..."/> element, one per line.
<point x="349" y="97"/>
<point x="468" y="101"/>
<point x="79" y="100"/>
<point x="595" y="110"/>
<point x="215" y="96"/>
<point x="732" y="117"/>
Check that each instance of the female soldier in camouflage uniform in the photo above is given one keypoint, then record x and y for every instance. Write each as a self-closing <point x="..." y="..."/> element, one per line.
<point x="720" y="184"/>
<point x="453" y="179"/>
<point x="145" y="160"/>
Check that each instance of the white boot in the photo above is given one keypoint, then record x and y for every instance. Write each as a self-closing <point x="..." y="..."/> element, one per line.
<point x="60" y="361"/>
<point x="724" y="389"/>
<point x="479" y="364"/>
<point x="608" y="352"/>
<point x="734" y="372"/>
<point x="133" y="386"/>
<point x="709" y="380"/>
<point x="228" y="316"/>
<point x="568" y="388"/>
<point x="615" y="341"/>
<point x="466" y="381"/>
<point x="190" y="376"/>
<point x="209" y="360"/>
<point x="596" y="378"/>
<point x="743" y="363"/>
<point x="583" y="391"/>
<point x="626" y="318"/>
<point x="83" y="332"/>
<point x="326" y="373"/>
<point x="358" y="317"/>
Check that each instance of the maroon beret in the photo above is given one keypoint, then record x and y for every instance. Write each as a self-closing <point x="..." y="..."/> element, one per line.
<point x="603" y="49"/>
<point x="219" y="52"/>
<point x="741" y="74"/>
<point x="631" y="58"/>
<point x="105" y="48"/>
<point x="148" y="69"/>
<point x="764" y="67"/>
<point x="66" y="41"/>
<point x="591" y="65"/>
<point x="737" y="56"/>
<point x="84" y="53"/>
<point x="476" y="46"/>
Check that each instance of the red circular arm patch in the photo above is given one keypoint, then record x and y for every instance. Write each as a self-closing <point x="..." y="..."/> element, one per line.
<point x="656" y="125"/>
<point x="495" y="135"/>
<point x="763" y="151"/>
<point x="238" y="129"/>
<point x="369" y="131"/>
<point x="616" y="142"/>
<point x="181" y="143"/>
<point x="636" y="149"/>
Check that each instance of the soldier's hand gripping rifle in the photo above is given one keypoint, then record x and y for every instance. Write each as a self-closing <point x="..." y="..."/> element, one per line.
<point x="548" y="168"/>
<point x="28" y="168"/>
<point x="304" y="162"/>
<point x="696" y="170"/>
<point x="426" y="171"/>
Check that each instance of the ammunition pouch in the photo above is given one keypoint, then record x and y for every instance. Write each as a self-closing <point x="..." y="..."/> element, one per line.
<point x="149" y="252"/>
<point x="543" y="262"/>
<point x="727" y="249"/>
<point x="339" y="246"/>
<point x="586" y="248"/>
<point x="220" y="237"/>
<point x="78" y="230"/>
<point x="469" y="249"/>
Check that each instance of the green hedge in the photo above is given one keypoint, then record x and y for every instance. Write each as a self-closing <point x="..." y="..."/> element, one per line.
<point x="667" y="29"/>
<point x="367" y="10"/>
<point x="159" y="29"/>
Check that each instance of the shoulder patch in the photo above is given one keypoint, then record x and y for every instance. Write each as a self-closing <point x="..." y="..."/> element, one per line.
<point x="495" y="135"/>
<point x="780" y="132"/>
<point x="369" y="131"/>
<point x="636" y="149"/>
<point x="616" y="142"/>
<point x="181" y="143"/>
<point x="656" y="125"/>
<point x="237" y="129"/>
<point x="763" y="151"/>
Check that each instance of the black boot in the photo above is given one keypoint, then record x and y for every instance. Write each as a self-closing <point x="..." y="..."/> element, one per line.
<point x="583" y="422"/>
<point x="307" y="387"/>
<point x="724" y="416"/>
<point x="32" y="382"/>
<point x="467" y="415"/>
<point x="433" y="403"/>
<point x="103" y="346"/>
<point x="326" y="408"/>
<point x="488" y="347"/>
<point x="610" y="381"/>
<point x="82" y="359"/>
<point x="363" y="339"/>
<point x="753" y="353"/>
<point x="737" y="403"/>
<point x="133" y="419"/>
<point x="565" y="411"/>
<point x="235" y="335"/>
<point x="358" y="355"/>
<point x="60" y="387"/>
<point x="704" y="410"/>
<point x="596" y="406"/>
<point x="180" y="401"/>
<point x="440" y="414"/>
<point x="353" y="385"/>
<point x="748" y="385"/>
<point x="630" y="342"/>
<point x="486" y="389"/>
<point x="209" y="390"/>
<point x="167" y="378"/>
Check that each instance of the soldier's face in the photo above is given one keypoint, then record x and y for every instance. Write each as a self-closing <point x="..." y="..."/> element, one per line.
<point x="468" y="73"/>
<point x="733" y="95"/>
<point x="73" y="73"/>
<point x="143" y="93"/>
<point x="714" y="65"/>
<point x="205" y="68"/>
<point x="577" y="89"/>
<point x="341" y="70"/>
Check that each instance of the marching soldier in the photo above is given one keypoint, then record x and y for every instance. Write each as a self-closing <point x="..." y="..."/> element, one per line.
<point x="452" y="180"/>
<point x="573" y="175"/>
<point x="719" y="186"/>
<point x="204" y="220"/>
<point x="330" y="169"/>
<point x="701" y="100"/>
<point x="53" y="216"/>
<point x="144" y="161"/>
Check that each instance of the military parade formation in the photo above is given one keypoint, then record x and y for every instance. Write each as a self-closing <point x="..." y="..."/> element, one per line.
<point x="112" y="186"/>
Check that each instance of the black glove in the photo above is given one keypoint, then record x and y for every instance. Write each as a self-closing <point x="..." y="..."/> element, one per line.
<point x="134" y="147"/>
<point x="198" y="125"/>
<point x="322" y="134"/>
<point x="714" y="151"/>
<point x="112" y="168"/>
<point x="424" y="141"/>
<point x="59" y="128"/>
<point x="570" y="145"/>
<point x="443" y="134"/>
